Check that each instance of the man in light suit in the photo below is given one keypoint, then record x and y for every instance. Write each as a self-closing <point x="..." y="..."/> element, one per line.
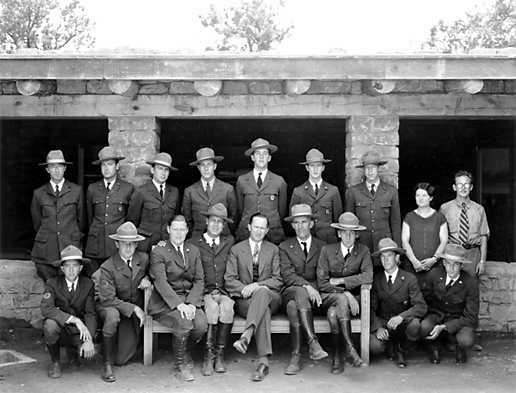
<point x="176" y="270"/>
<point x="298" y="261"/>
<point x="154" y="204"/>
<point x="253" y="279"/>
<point x="324" y="198"/>
<point x="206" y="192"/>
<point x="261" y="191"/>
<point x="376" y="204"/>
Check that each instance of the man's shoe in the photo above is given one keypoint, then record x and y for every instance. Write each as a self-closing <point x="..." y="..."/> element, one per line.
<point x="400" y="360"/>
<point x="260" y="373"/>
<point x="54" y="371"/>
<point x="293" y="367"/>
<point x="241" y="345"/>
<point x="460" y="356"/>
<point x="435" y="357"/>
<point x="107" y="373"/>
<point x="316" y="352"/>
<point x="185" y="373"/>
<point x="73" y="357"/>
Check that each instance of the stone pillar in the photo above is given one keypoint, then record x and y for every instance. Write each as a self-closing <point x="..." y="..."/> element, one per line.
<point x="137" y="139"/>
<point x="379" y="133"/>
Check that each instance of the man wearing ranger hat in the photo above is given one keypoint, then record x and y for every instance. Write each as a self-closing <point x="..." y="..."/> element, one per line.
<point x="68" y="309"/>
<point x="342" y="268"/>
<point x="453" y="303"/>
<point x="58" y="216"/>
<point x="123" y="277"/>
<point x="106" y="203"/>
<point x="298" y="263"/>
<point x="376" y="204"/>
<point x="323" y="197"/>
<point x="207" y="192"/>
<point x="261" y="191"/>
<point x="153" y="205"/>
<point x="397" y="305"/>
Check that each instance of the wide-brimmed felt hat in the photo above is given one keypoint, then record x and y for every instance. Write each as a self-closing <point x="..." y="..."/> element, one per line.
<point x="55" y="157"/>
<point x="218" y="210"/>
<point x="163" y="159"/>
<point x="314" y="156"/>
<point x="455" y="253"/>
<point x="107" y="153"/>
<point x="127" y="232"/>
<point x="205" y="153"/>
<point x="260" y="143"/>
<point x="348" y="221"/>
<point x="300" y="210"/>
<point x="371" y="158"/>
<point x="71" y="253"/>
<point x="387" y="244"/>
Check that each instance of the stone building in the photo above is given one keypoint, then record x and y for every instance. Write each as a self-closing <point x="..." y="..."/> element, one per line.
<point x="428" y="115"/>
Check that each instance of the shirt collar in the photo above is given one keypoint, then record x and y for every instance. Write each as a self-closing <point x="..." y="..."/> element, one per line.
<point x="393" y="275"/>
<point x="466" y="201"/>
<point x="345" y="249"/>
<point x="210" y="239"/>
<point x="255" y="174"/>
<point x="448" y="279"/>
<point x="157" y="185"/>
<point x="319" y="183"/>
<point x="204" y="183"/>
<point x="70" y="283"/>
<point x="60" y="184"/>
<point x="252" y="244"/>
<point x="110" y="183"/>
<point x="307" y="241"/>
<point x="376" y="184"/>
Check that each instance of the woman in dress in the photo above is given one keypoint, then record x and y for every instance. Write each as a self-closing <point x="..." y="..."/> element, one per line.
<point x="424" y="233"/>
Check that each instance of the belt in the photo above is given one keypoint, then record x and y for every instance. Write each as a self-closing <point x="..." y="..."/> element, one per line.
<point x="469" y="246"/>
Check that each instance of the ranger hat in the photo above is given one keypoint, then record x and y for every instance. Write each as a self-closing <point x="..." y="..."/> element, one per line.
<point x="300" y="210"/>
<point x="218" y="210"/>
<point x="127" y="232"/>
<point x="205" y="153"/>
<point x="387" y="244"/>
<point x="348" y="221"/>
<point x="260" y="143"/>
<point x="55" y="157"/>
<point x="455" y="253"/>
<point x="371" y="158"/>
<point x="71" y="253"/>
<point x="314" y="156"/>
<point x="163" y="159"/>
<point x="107" y="153"/>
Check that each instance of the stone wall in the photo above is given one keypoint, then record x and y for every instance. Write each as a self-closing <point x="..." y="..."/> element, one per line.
<point x="21" y="291"/>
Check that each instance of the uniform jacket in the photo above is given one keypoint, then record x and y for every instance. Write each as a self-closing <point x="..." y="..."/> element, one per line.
<point x="175" y="281"/>
<point x="357" y="270"/>
<point x="213" y="261"/>
<point x="381" y="214"/>
<point x="327" y="206"/>
<point x="195" y="201"/>
<point x="119" y="284"/>
<point x="239" y="269"/>
<point x="270" y="199"/>
<point x="59" y="304"/>
<point x="404" y="298"/>
<point x="296" y="269"/>
<point x="106" y="212"/>
<point x="150" y="214"/>
<point x="58" y="221"/>
<point x="457" y="306"/>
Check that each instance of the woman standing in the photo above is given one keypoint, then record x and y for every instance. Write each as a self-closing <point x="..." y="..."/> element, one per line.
<point x="424" y="233"/>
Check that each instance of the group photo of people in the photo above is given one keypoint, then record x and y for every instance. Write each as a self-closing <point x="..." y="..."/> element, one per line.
<point x="214" y="251"/>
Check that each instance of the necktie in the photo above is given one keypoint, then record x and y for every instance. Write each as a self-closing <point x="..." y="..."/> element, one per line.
<point x="57" y="190"/>
<point x="305" y="250"/>
<point x="259" y="182"/>
<point x="389" y="281"/>
<point x="348" y="254"/>
<point x="129" y="264"/>
<point x="463" y="225"/>
<point x="72" y="288"/>
<point x="450" y="284"/>
<point x="208" y="190"/>
<point x="181" y="254"/>
<point x="161" y="191"/>
<point x="256" y="253"/>
<point x="213" y="244"/>
<point x="108" y="185"/>
<point x="372" y="190"/>
<point x="316" y="190"/>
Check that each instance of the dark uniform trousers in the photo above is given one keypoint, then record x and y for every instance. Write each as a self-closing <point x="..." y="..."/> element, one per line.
<point x="176" y="281"/>
<point x="456" y="307"/>
<point x="326" y="205"/>
<point x="150" y="214"/>
<point x="59" y="221"/>
<point x="404" y="298"/>
<point x="380" y="214"/>
<point x="265" y="301"/>
<point x="196" y="201"/>
<point x="106" y="212"/>
<point x="58" y="304"/>
<point x="270" y="199"/>
<point x="118" y="294"/>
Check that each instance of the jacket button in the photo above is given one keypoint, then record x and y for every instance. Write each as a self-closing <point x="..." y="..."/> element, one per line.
<point x="58" y="233"/>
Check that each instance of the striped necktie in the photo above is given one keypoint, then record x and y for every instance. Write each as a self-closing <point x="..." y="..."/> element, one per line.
<point x="463" y="225"/>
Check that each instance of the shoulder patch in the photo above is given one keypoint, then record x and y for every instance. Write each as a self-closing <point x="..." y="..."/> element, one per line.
<point x="46" y="295"/>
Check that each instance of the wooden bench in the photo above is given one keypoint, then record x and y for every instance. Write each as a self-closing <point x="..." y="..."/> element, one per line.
<point x="279" y="324"/>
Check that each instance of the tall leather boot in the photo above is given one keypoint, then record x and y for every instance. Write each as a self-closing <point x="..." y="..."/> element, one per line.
<point x="223" y="331"/>
<point x="209" y="356"/>
<point x="337" y="363"/>
<point x="54" y="370"/>
<point x="351" y="351"/>
<point x="109" y="344"/>
<point x="295" y="339"/>
<point x="183" y="371"/>
<point x="307" y="322"/>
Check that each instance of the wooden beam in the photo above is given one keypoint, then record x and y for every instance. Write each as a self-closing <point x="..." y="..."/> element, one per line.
<point x="221" y="106"/>
<point x="208" y="88"/>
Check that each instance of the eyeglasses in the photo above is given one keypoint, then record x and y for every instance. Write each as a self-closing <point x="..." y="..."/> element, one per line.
<point x="462" y="185"/>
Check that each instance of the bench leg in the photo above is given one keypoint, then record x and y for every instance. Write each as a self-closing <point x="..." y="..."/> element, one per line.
<point x="364" y="340"/>
<point x="147" y="341"/>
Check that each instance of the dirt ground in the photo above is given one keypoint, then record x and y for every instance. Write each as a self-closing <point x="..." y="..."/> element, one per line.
<point x="491" y="370"/>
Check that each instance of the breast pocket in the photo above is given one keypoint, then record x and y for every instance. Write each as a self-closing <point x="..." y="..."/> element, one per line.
<point x="118" y="207"/>
<point x="48" y="209"/>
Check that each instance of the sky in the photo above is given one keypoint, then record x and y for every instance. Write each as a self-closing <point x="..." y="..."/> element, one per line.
<point x="321" y="26"/>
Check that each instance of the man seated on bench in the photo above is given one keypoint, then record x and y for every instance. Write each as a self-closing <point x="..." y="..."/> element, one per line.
<point x="253" y="278"/>
<point x="342" y="268"/>
<point x="298" y="259"/>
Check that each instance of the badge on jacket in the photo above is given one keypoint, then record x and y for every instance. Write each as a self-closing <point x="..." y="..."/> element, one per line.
<point x="46" y="295"/>
<point x="273" y="197"/>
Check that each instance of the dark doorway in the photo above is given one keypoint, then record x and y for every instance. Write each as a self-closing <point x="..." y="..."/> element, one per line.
<point x="434" y="150"/>
<point x="24" y="144"/>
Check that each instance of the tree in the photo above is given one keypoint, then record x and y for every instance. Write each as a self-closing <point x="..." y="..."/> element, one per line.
<point x="252" y="25"/>
<point x="44" y="24"/>
<point x="493" y="28"/>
